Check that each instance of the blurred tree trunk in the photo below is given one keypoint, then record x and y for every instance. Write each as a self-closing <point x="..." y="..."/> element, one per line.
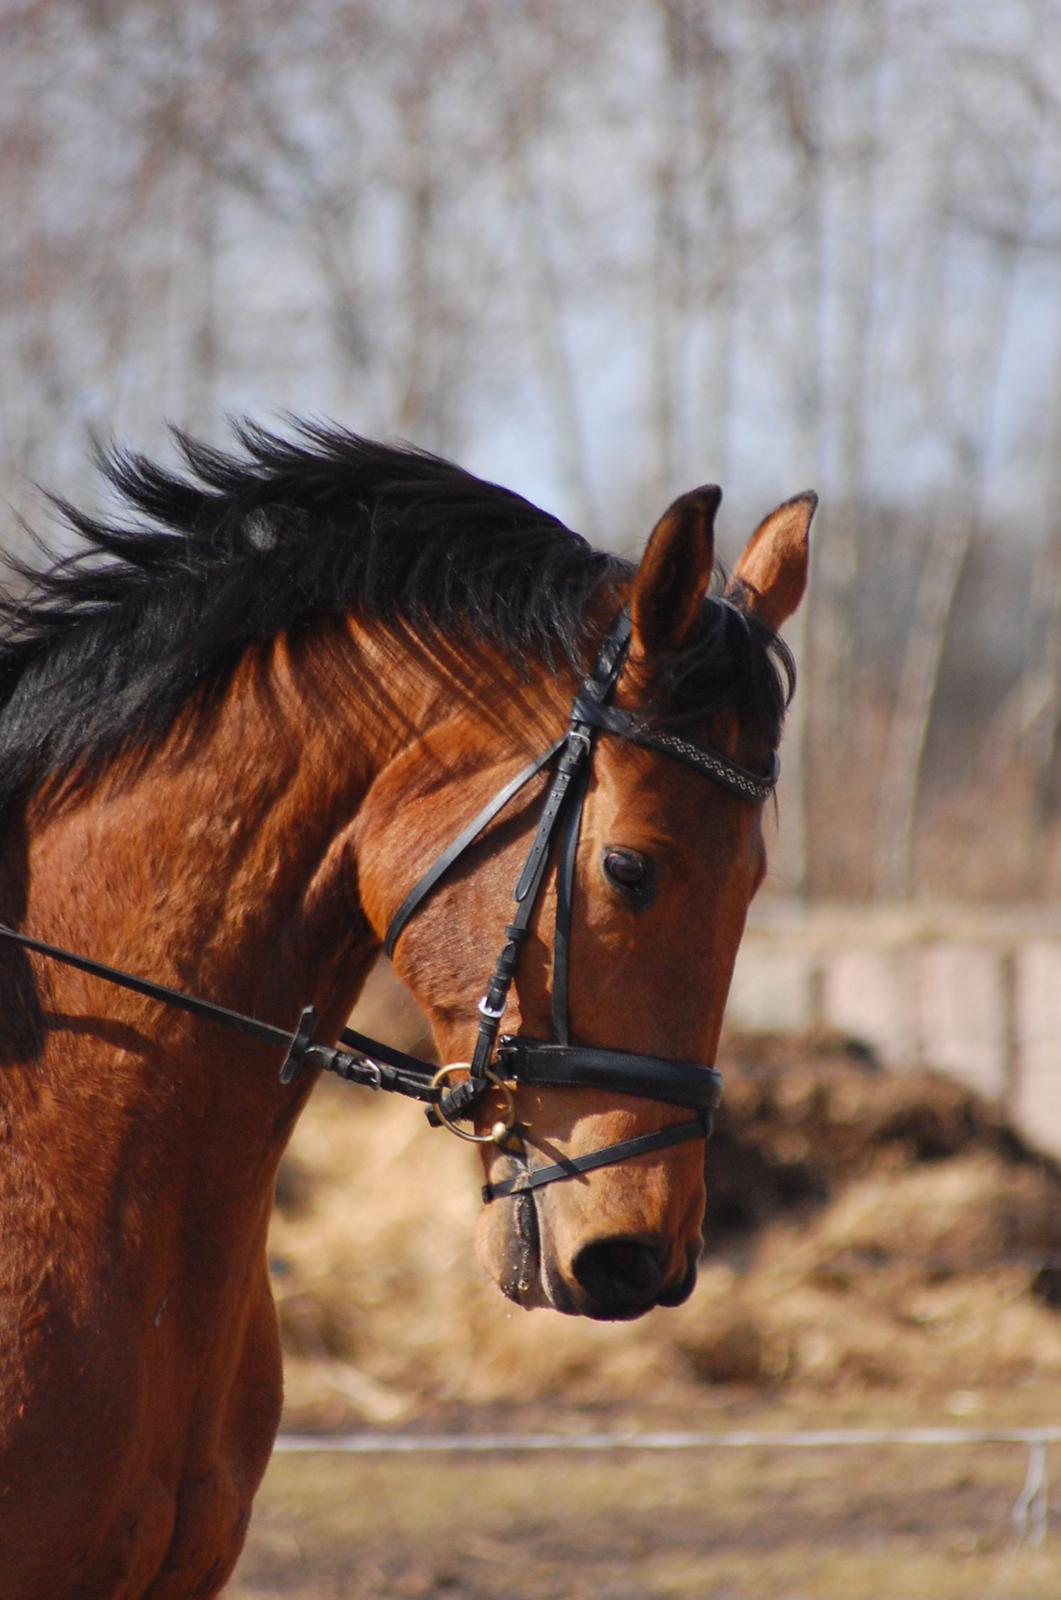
<point x="415" y="403"/>
<point x="697" y="266"/>
<point x="718" y="64"/>
<point x="669" y="305"/>
<point x="554" y="353"/>
<point x="851" y="401"/>
<point x="204" y="344"/>
<point x="801" y="46"/>
<point x="955" y="527"/>
<point x="1044" y="666"/>
<point x="1045" y="599"/>
<point x="546" y="291"/>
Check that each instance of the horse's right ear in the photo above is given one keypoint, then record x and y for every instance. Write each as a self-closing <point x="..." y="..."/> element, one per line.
<point x="671" y="582"/>
<point x="770" y="577"/>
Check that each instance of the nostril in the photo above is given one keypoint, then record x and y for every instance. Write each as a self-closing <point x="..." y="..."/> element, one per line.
<point x="621" y="1274"/>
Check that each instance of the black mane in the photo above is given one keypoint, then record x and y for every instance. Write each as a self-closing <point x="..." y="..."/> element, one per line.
<point x="105" y="647"/>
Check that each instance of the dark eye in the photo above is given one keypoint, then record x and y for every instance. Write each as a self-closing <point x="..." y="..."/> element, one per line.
<point x="630" y="871"/>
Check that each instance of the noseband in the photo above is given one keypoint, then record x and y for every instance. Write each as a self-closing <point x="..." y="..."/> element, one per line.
<point x="516" y="1059"/>
<point x="504" y="1061"/>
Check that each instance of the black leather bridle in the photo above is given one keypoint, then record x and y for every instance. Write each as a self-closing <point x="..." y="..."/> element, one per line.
<point x="516" y="1059"/>
<point x="504" y="1062"/>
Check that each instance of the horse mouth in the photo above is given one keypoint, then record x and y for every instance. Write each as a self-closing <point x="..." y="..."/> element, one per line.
<point x="524" y="1276"/>
<point x="522" y="1280"/>
<point x="621" y="1283"/>
<point x="680" y="1292"/>
<point x="533" y="1284"/>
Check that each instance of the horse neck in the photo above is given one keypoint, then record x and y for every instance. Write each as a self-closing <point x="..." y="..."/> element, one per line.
<point x="223" y="864"/>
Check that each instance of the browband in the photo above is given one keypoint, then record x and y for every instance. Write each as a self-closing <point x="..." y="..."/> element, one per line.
<point x="712" y="763"/>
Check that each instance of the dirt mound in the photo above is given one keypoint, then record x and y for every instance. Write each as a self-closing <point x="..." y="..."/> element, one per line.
<point x="863" y="1228"/>
<point x="802" y="1117"/>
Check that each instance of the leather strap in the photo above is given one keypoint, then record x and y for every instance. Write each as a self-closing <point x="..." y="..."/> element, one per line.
<point x="597" y="687"/>
<point x="572" y="1166"/>
<point x="154" y="991"/>
<point x="385" y="1068"/>
<point x="573" y="753"/>
<point x="574" y="750"/>
<point x="565" y="890"/>
<point x="565" y="790"/>
<point x="438" y="869"/>
<point x="581" y="1066"/>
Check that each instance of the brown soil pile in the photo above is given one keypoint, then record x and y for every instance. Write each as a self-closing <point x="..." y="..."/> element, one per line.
<point x="863" y="1229"/>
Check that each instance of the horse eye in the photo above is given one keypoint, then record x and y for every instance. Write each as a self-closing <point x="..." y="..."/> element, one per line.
<point x="628" y="870"/>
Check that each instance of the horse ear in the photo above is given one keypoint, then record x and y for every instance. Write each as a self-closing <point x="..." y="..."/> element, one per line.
<point x="771" y="575"/>
<point x="670" y="584"/>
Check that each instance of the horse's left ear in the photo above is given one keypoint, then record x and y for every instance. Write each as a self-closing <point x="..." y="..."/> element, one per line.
<point x="770" y="577"/>
<point x="670" y="584"/>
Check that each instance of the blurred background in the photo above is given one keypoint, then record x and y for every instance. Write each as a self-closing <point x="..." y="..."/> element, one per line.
<point x="602" y="253"/>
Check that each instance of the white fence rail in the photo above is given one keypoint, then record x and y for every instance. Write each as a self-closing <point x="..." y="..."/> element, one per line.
<point x="1029" y="1515"/>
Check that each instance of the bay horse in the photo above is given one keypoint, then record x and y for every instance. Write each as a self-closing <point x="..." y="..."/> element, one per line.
<point x="235" y="728"/>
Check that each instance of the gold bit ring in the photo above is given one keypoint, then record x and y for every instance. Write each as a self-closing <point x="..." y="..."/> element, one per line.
<point x="500" y="1130"/>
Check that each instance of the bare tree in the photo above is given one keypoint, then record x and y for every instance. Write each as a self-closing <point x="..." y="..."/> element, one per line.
<point x="642" y="244"/>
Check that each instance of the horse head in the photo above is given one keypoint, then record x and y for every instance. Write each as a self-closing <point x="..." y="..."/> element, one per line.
<point x="664" y="863"/>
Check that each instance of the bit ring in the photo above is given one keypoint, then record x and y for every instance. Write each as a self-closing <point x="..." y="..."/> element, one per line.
<point x="500" y="1130"/>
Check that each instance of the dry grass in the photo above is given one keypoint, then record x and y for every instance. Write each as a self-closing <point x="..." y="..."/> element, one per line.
<point x="878" y="1249"/>
<point x="900" y="1239"/>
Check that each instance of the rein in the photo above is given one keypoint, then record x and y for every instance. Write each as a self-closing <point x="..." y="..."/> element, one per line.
<point x="503" y="1062"/>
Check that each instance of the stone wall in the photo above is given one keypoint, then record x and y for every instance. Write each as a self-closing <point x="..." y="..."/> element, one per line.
<point x="974" y="992"/>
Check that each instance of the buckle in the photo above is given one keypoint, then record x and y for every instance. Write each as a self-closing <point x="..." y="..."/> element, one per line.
<point x="373" y="1078"/>
<point x="491" y="1013"/>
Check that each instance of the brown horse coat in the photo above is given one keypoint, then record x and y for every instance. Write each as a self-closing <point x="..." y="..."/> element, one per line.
<point x="249" y="841"/>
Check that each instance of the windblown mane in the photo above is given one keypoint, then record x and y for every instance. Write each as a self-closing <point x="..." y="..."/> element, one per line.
<point x="104" y="648"/>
